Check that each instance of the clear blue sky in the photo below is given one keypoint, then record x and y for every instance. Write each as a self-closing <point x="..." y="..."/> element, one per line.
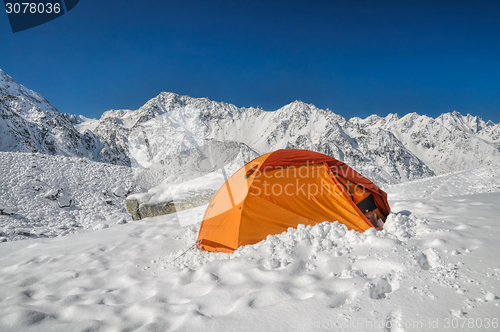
<point x="354" y="57"/>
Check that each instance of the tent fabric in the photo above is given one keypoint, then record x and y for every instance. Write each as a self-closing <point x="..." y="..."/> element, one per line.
<point x="283" y="189"/>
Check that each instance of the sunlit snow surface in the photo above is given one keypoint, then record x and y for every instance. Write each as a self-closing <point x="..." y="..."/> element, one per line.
<point x="54" y="195"/>
<point x="436" y="262"/>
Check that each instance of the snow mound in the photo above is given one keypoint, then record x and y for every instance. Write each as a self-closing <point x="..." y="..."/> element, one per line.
<point x="303" y="242"/>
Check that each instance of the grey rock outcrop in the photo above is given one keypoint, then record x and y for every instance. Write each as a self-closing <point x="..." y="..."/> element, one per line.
<point x="8" y="211"/>
<point x="140" y="210"/>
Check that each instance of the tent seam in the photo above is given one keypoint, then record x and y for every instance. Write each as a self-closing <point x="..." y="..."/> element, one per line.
<point x="246" y="196"/>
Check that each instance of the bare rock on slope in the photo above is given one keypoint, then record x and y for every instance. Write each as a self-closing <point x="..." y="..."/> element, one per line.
<point x="140" y="210"/>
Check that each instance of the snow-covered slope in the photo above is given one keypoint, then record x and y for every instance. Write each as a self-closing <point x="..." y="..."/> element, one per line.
<point x="433" y="268"/>
<point x="29" y="123"/>
<point x="468" y="182"/>
<point x="451" y="142"/>
<point x="165" y="140"/>
<point x="51" y="196"/>
<point x="186" y="180"/>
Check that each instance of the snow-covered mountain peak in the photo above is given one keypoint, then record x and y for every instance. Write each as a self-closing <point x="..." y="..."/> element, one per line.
<point x="297" y="106"/>
<point x="468" y="123"/>
<point x="392" y="117"/>
<point x="303" y="113"/>
<point x="16" y="96"/>
<point x="410" y="119"/>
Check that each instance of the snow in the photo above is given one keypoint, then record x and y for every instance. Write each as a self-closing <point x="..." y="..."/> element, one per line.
<point x="387" y="150"/>
<point x="83" y="123"/>
<point x="199" y="172"/>
<point x="83" y="265"/>
<point x="29" y="123"/>
<point x="165" y="192"/>
<point x="473" y="181"/>
<point x="435" y="262"/>
<point x="51" y="196"/>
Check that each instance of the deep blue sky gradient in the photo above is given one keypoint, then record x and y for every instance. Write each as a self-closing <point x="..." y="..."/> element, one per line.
<point x="354" y="57"/>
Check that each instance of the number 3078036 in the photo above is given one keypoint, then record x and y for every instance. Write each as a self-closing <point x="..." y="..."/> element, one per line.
<point x="32" y="8"/>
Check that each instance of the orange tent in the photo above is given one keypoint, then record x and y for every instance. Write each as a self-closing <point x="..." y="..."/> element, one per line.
<point x="283" y="189"/>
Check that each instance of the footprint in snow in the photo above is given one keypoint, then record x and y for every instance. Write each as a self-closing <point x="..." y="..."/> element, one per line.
<point x="393" y="322"/>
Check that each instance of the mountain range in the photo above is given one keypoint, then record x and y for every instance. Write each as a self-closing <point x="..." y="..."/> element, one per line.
<point x="387" y="149"/>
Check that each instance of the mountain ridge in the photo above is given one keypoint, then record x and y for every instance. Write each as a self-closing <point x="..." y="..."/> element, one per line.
<point x="29" y="123"/>
<point x="389" y="149"/>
